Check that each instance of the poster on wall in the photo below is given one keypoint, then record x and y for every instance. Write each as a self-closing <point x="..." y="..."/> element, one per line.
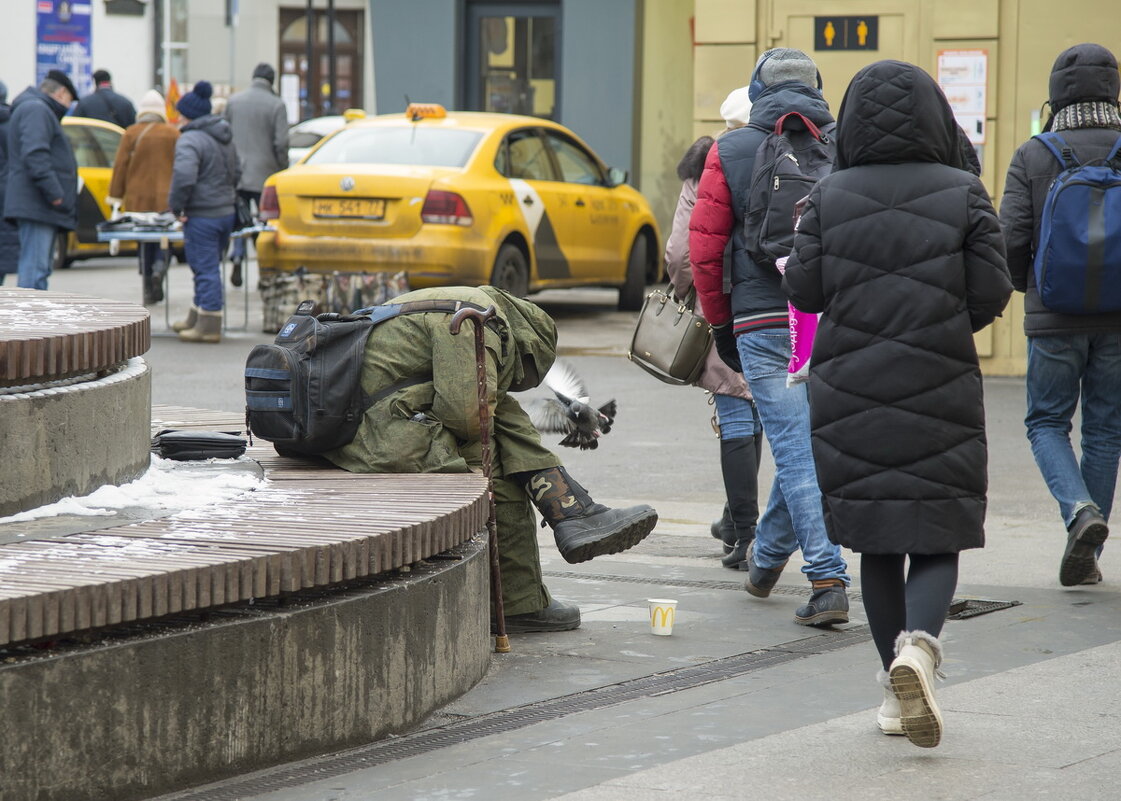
<point x="62" y="41"/>
<point x="963" y="76"/>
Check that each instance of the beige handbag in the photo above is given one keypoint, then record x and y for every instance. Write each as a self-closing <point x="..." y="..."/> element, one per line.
<point x="670" y="341"/>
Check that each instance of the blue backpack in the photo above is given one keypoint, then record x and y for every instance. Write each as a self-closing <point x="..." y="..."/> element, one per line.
<point x="1078" y="259"/>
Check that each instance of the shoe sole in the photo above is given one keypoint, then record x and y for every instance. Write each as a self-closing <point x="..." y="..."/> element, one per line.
<point x="828" y="618"/>
<point x="1080" y="558"/>
<point x="513" y="628"/>
<point x="918" y="713"/>
<point x="630" y="535"/>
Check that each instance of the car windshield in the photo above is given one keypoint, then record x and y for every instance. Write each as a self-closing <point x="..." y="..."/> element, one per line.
<point x="428" y="147"/>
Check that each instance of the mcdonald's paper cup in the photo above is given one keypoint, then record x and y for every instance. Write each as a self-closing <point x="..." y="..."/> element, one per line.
<point x="662" y="612"/>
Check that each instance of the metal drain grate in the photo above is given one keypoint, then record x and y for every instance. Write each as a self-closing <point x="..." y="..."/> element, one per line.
<point x="518" y="717"/>
<point x="962" y="609"/>
<point x="737" y="586"/>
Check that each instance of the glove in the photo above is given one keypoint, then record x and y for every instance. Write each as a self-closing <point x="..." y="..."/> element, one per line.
<point x="726" y="349"/>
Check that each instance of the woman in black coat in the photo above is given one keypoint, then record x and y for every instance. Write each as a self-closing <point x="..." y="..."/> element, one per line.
<point x="901" y="252"/>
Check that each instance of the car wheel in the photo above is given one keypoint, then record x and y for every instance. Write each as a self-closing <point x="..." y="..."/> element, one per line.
<point x="58" y="251"/>
<point x="633" y="290"/>
<point x="511" y="271"/>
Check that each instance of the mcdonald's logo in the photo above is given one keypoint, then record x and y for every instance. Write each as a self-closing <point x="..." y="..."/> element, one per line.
<point x="661" y="616"/>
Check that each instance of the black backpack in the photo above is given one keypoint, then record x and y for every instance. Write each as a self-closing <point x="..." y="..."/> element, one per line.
<point x="787" y="165"/>
<point x="303" y="393"/>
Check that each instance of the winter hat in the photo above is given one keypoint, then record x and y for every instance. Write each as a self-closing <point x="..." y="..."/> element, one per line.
<point x="62" y="79"/>
<point x="736" y="108"/>
<point x="152" y="103"/>
<point x="1082" y="74"/>
<point x="265" y="71"/>
<point x="196" y="103"/>
<point x="783" y="64"/>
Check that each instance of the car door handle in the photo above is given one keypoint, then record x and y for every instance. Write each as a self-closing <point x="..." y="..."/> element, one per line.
<point x="528" y="200"/>
<point x="579" y="201"/>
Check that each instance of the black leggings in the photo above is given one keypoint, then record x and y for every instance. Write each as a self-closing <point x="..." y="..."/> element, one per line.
<point x="894" y="604"/>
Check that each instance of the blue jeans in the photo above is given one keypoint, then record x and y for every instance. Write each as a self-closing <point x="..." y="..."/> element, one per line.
<point x="204" y="241"/>
<point x="1060" y="370"/>
<point x="35" y="241"/>
<point x="793" y="518"/>
<point x="737" y="416"/>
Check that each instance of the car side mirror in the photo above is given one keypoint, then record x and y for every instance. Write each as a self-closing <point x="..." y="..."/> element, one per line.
<point x="616" y="176"/>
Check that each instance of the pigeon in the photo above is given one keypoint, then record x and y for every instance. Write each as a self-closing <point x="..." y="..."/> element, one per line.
<point x="571" y="412"/>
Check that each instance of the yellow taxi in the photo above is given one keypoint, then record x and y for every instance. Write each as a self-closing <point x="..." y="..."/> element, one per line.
<point x="461" y="198"/>
<point x="95" y="147"/>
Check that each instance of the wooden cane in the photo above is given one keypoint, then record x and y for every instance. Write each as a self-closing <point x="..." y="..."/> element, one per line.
<point x="501" y="641"/>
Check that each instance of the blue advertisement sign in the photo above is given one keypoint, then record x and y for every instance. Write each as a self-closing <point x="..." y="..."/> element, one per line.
<point x="62" y="41"/>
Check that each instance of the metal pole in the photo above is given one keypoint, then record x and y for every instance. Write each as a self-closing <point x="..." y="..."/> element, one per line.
<point x="331" y="66"/>
<point x="308" y="55"/>
<point x="501" y="640"/>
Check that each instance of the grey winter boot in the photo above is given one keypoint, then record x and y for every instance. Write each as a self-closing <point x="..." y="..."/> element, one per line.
<point x="584" y="529"/>
<point x="192" y="318"/>
<point x="207" y="328"/>
<point x="887" y="716"/>
<point x="918" y="656"/>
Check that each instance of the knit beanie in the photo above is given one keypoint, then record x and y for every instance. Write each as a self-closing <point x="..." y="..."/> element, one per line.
<point x="265" y="71"/>
<point x="783" y="64"/>
<point x="736" y="108"/>
<point x="152" y="103"/>
<point x="196" y="103"/>
<point x="1084" y="73"/>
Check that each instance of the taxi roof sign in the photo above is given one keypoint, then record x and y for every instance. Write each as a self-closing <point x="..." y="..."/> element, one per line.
<point x="425" y="111"/>
<point x="352" y="114"/>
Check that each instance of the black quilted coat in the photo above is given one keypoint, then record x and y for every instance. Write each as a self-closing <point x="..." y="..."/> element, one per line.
<point x="900" y="250"/>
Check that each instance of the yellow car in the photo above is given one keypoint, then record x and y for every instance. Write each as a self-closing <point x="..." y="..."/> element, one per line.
<point x="461" y="198"/>
<point x="95" y="147"/>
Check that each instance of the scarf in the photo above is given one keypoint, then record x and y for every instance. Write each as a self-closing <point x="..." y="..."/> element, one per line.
<point x="1094" y="114"/>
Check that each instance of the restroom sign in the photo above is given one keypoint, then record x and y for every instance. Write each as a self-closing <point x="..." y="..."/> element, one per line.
<point x="964" y="78"/>
<point x="846" y="33"/>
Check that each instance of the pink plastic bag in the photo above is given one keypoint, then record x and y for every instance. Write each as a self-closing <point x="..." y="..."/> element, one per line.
<point x="803" y="326"/>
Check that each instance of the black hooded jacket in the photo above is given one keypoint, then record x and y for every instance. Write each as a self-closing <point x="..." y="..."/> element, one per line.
<point x="900" y="250"/>
<point x="1082" y="73"/>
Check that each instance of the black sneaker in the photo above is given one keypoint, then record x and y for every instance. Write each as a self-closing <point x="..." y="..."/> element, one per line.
<point x="235" y="273"/>
<point x="557" y="616"/>
<point x="827" y="606"/>
<point x="1087" y="533"/>
<point x="760" y="580"/>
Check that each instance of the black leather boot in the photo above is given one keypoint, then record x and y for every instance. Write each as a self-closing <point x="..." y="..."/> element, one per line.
<point x="582" y="528"/>
<point x="724" y="529"/>
<point x="739" y="464"/>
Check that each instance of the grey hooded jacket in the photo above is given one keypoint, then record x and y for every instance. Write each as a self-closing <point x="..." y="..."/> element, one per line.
<point x="260" y="125"/>
<point x="206" y="171"/>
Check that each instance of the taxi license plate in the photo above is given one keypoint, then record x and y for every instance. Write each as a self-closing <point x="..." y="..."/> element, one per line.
<point x="349" y="208"/>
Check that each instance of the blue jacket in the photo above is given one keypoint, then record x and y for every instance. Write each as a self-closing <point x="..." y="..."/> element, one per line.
<point x="41" y="164"/>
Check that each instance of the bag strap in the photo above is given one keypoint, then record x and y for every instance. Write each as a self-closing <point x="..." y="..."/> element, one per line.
<point x="1059" y="148"/>
<point x="813" y="129"/>
<point x="1113" y="154"/>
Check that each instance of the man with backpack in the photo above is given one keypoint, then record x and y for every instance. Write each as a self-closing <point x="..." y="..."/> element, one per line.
<point x="1061" y="215"/>
<point x="749" y="315"/>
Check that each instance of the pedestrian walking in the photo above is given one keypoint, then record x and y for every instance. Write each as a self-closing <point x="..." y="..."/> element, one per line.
<point x="1073" y="359"/>
<point x="426" y="420"/>
<point x="9" y="234"/>
<point x="203" y="189"/>
<point x="103" y="103"/>
<point x="738" y="422"/>
<point x="751" y="330"/>
<point x="141" y="180"/>
<point x="901" y="252"/>
<point x="42" y="192"/>
<point x="259" y="120"/>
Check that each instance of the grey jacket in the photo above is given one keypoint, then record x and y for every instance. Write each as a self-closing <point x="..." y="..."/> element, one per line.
<point x="260" y="125"/>
<point x="41" y="164"/>
<point x="206" y="171"/>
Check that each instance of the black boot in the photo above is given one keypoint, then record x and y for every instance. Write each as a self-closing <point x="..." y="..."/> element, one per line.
<point x="584" y="529"/>
<point x="235" y="273"/>
<point x="739" y="464"/>
<point x="153" y="289"/>
<point x="724" y="529"/>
